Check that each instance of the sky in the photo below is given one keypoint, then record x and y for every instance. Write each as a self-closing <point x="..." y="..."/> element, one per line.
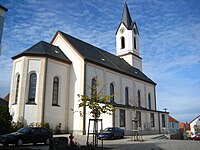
<point x="169" y="40"/>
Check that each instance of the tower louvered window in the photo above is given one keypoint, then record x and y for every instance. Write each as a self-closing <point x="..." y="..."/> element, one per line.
<point x="122" y="42"/>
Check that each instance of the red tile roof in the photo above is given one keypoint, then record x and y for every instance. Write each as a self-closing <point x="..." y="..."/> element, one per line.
<point x="171" y="119"/>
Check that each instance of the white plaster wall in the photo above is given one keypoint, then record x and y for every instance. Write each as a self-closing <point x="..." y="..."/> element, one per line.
<point x="137" y="64"/>
<point x="57" y="114"/>
<point x="128" y="35"/>
<point x="30" y="111"/>
<point x="17" y="69"/>
<point x="76" y="82"/>
<point x="150" y="89"/>
<point x="193" y="123"/>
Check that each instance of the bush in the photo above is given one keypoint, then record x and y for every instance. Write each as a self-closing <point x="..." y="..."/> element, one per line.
<point x="17" y="125"/>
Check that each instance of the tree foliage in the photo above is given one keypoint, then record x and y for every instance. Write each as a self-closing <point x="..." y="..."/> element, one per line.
<point x="5" y="120"/>
<point x="98" y="103"/>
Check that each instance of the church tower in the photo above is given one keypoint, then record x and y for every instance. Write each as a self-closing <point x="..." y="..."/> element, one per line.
<point x="127" y="40"/>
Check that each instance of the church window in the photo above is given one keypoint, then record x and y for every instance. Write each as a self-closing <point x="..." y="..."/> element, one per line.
<point x="111" y="93"/>
<point x="139" y="118"/>
<point x="93" y="87"/>
<point x="152" y="120"/>
<point x="122" y="118"/>
<point x="17" y="88"/>
<point x="135" y="43"/>
<point x="32" y="88"/>
<point x="149" y="100"/>
<point x="122" y="42"/>
<point x="126" y="96"/>
<point x="139" y="98"/>
<point x="163" y="120"/>
<point x="55" y="91"/>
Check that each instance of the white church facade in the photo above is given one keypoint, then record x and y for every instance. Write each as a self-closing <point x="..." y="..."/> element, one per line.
<point x="47" y="78"/>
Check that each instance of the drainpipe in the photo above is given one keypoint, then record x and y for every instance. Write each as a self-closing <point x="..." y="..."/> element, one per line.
<point x="159" y="122"/>
<point x="44" y="89"/>
<point x="84" y="92"/>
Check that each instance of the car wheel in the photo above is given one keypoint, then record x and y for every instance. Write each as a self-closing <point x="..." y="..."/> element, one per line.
<point x="19" y="142"/>
<point x="34" y="143"/>
<point x="122" y="136"/>
<point x="47" y="141"/>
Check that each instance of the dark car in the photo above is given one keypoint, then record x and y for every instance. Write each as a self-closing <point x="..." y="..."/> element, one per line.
<point x="27" y="135"/>
<point x="195" y="137"/>
<point x="111" y="133"/>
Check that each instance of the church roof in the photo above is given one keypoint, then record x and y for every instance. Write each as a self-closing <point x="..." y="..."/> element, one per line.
<point x="46" y="50"/>
<point x="103" y="58"/>
<point x="5" y="9"/>
<point x="126" y="17"/>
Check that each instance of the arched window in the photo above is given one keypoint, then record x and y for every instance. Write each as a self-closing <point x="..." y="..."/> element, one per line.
<point x="17" y="88"/>
<point x="126" y="96"/>
<point x="122" y="42"/>
<point x="32" y="88"/>
<point x="149" y="100"/>
<point x="135" y="43"/>
<point x="93" y="87"/>
<point x="139" y="99"/>
<point x="112" y="93"/>
<point x="55" y="91"/>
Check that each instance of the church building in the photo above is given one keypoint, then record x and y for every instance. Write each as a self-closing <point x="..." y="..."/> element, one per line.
<point x="48" y="77"/>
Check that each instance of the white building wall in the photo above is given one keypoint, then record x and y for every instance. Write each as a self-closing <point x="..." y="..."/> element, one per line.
<point x="34" y="66"/>
<point x="193" y="123"/>
<point x="75" y="122"/>
<point x="57" y="115"/>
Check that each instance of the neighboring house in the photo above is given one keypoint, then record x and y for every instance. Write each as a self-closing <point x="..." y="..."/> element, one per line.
<point x="47" y="78"/>
<point x="173" y="125"/>
<point x="195" y="125"/>
<point x="184" y="130"/>
<point x="2" y="16"/>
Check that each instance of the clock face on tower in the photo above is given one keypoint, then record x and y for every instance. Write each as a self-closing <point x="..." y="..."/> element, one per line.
<point x="122" y="30"/>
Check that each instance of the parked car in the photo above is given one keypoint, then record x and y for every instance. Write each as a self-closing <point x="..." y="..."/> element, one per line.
<point x="27" y="135"/>
<point x="195" y="137"/>
<point x="111" y="133"/>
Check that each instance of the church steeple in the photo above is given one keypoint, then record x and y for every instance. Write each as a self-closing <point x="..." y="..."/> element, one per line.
<point x="127" y="44"/>
<point x="126" y="17"/>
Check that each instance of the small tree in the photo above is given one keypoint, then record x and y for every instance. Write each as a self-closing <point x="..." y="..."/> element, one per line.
<point x="5" y="120"/>
<point x="98" y="103"/>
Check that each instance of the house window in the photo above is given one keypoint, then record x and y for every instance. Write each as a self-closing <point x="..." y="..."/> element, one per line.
<point x="152" y="120"/>
<point x="172" y="125"/>
<point x="135" y="47"/>
<point x="122" y="42"/>
<point x="138" y="115"/>
<point x="112" y="93"/>
<point x="126" y="96"/>
<point x="32" y="88"/>
<point x="17" y="89"/>
<point x="55" y="91"/>
<point x="149" y="100"/>
<point x="163" y="120"/>
<point x="122" y="118"/>
<point x="139" y="99"/>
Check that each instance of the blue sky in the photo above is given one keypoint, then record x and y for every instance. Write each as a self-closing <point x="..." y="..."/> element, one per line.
<point x="169" y="40"/>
